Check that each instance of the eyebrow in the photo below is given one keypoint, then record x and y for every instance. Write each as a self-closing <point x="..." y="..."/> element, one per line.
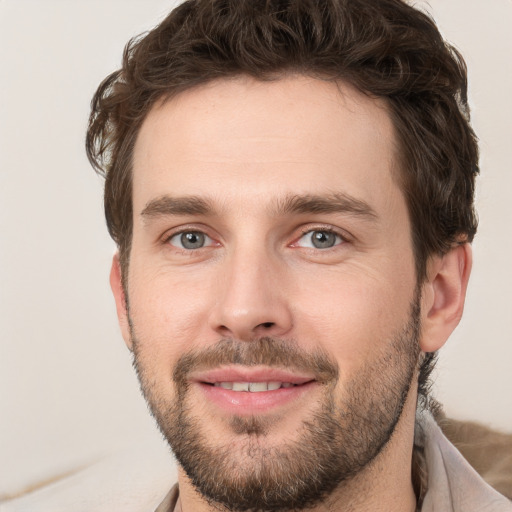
<point x="168" y="205"/>
<point x="331" y="203"/>
<point x="300" y="204"/>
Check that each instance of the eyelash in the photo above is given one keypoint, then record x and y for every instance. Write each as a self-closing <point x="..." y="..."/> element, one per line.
<point x="323" y="229"/>
<point x="166" y="240"/>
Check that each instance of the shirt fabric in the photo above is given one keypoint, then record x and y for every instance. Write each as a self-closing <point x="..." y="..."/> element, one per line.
<point x="453" y="485"/>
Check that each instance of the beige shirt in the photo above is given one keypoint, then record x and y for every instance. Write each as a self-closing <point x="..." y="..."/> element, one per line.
<point x="453" y="485"/>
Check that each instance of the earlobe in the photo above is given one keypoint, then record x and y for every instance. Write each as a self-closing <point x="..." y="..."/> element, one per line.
<point x="116" y="284"/>
<point x="443" y="296"/>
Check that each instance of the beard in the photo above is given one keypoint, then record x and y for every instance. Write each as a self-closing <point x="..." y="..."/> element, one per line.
<point x="339" y="439"/>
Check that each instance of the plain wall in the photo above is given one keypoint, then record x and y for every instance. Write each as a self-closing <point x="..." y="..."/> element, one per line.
<point x="67" y="390"/>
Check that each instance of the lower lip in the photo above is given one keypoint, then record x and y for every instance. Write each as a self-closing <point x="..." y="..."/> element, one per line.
<point x="247" y="402"/>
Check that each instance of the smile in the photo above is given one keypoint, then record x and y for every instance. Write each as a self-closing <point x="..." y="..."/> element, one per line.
<point x="243" y="390"/>
<point x="253" y="387"/>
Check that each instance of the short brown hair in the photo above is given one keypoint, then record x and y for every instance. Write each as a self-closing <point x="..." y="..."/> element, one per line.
<point x="385" y="48"/>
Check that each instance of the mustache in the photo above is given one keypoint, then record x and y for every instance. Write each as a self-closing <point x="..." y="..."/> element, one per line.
<point x="264" y="351"/>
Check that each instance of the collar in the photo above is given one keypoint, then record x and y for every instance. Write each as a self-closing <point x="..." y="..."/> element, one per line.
<point x="452" y="484"/>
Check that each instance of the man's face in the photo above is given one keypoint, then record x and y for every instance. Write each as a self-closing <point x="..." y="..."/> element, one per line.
<point x="271" y="288"/>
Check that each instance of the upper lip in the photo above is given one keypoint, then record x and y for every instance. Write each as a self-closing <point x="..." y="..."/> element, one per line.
<point x="250" y="374"/>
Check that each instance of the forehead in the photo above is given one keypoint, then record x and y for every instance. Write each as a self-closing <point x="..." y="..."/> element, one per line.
<point x="248" y="140"/>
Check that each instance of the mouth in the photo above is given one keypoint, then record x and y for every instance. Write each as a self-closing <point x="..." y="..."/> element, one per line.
<point x="248" y="391"/>
<point x="254" y="387"/>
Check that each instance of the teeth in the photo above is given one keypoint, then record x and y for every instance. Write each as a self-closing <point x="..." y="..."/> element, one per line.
<point x="258" y="386"/>
<point x="254" y="387"/>
<point x="240" y="386"/>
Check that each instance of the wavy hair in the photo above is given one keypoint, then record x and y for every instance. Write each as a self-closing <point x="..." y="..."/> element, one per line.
<point x="384" y="48"/>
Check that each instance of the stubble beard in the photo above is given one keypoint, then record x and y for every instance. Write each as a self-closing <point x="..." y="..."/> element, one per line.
<point x="334" y="444"/>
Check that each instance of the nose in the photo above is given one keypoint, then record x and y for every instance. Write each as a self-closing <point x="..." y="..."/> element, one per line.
<point x="252" y="300"/>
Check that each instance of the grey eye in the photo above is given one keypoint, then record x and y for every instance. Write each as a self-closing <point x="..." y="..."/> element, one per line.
<point x="190" y="240"/>
<point x="323" y="239"/>
<point x="319" y="239"/>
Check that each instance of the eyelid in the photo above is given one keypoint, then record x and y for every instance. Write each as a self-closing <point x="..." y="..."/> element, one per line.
<point x="342" y="234"/>
<point x="170" y="234"/>
<point x="177" y="236"/>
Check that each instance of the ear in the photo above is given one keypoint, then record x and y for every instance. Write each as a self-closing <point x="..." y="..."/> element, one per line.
<point x="116" y="284"/>
<point x="443" y="296"/>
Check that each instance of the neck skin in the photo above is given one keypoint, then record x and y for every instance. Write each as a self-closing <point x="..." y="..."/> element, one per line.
<point x="384" y="485"/>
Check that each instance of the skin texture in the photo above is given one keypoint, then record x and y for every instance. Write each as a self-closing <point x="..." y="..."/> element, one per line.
<point x="241" y="152"/>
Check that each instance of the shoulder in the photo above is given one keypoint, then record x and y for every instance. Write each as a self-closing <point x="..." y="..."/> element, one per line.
<point x="453" y="484"/>
<point x="488" y="451"/>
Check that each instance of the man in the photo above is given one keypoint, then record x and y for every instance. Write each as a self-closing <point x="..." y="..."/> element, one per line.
<point x="290" y="186"/>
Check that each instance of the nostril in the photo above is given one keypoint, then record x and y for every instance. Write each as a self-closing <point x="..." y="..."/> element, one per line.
<point x="267" y="325"/>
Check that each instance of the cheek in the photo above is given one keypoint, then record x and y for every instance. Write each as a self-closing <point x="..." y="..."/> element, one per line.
<point x="168" y="312"/>
<point x="352" y="315"/>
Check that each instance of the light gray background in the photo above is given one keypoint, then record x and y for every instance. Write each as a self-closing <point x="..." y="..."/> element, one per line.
<point x="67" y="390"/>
